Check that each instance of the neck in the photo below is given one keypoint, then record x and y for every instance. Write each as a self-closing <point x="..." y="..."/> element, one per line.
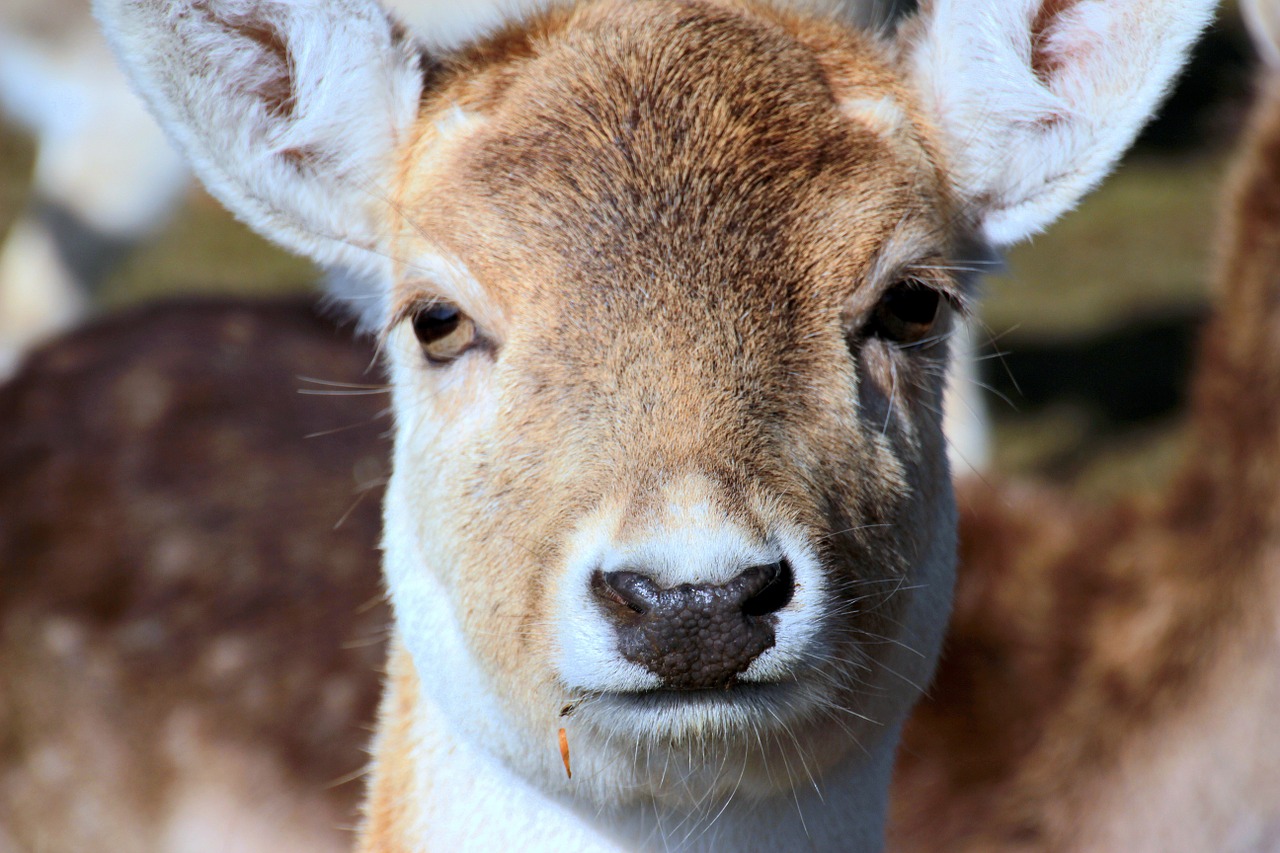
<point x="434" y="788"/>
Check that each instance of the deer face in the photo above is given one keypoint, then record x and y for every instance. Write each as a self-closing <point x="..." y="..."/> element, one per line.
<point x="668" y="355"/>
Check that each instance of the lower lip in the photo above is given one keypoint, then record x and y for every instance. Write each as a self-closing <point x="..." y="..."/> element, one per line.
<point x="664" y="699"/>
<point x="733" y="713"/>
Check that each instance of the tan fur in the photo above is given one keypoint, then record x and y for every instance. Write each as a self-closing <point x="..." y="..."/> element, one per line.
<point x="390" y="801"/>
<point x="1111" y="677"/>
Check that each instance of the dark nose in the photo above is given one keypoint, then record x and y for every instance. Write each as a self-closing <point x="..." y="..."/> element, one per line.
<point x="695" y="636"/>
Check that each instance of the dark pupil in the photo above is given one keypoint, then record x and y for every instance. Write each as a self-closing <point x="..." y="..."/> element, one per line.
<point x="913" y="305"/>
<point x="436" y="322"/>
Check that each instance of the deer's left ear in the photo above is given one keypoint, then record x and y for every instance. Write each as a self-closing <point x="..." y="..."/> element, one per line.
<point x="1037" y="99"/>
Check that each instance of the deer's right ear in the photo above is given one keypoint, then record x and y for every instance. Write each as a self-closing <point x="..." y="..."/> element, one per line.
<point x="290" y="112"/>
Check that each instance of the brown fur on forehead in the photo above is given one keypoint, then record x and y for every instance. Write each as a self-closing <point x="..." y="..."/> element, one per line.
<point x="693" y="148"/>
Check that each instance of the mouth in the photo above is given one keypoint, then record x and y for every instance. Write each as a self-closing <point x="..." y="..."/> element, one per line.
<point x="735" y="692"/>
<point x="739" y="710"/>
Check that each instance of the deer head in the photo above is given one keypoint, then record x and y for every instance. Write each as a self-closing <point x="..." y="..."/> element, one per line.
<point x="665" y="291"/>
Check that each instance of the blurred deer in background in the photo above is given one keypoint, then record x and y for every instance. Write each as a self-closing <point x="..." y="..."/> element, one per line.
<point x="666" y="316"/>
<point x="191" y="620"/>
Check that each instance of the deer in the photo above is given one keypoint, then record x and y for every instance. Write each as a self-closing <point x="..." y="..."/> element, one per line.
<point x="664" y="291"/>
<point x="1014" y="746"/>
<point x="1087" y="700"/>
<point x="1111" y="676"/>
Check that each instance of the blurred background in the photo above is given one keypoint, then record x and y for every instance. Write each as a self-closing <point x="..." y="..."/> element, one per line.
<point x="1086" y="337"/>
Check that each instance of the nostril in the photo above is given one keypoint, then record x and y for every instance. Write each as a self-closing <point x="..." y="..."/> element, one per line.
<point x="775" y="594"/>
<point x="625" y="591"/>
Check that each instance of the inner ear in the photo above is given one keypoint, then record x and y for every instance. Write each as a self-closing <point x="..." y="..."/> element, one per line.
<point x="274" y="83"/>
<point x="1046" y="62"/>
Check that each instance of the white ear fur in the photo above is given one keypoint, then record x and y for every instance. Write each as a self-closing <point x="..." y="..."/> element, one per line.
<point x="289" y="110"/>
<point x="1037" y="99"/>
<point x="1262" y="18"/>
<point x="449" y="24"/>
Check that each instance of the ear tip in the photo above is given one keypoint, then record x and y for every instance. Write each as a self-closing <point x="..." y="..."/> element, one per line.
<point x="1003" y="229"/>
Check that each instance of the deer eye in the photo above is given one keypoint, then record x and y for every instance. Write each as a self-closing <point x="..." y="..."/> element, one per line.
<point x="444" y="332"/>
<point x="907" y="313"/>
